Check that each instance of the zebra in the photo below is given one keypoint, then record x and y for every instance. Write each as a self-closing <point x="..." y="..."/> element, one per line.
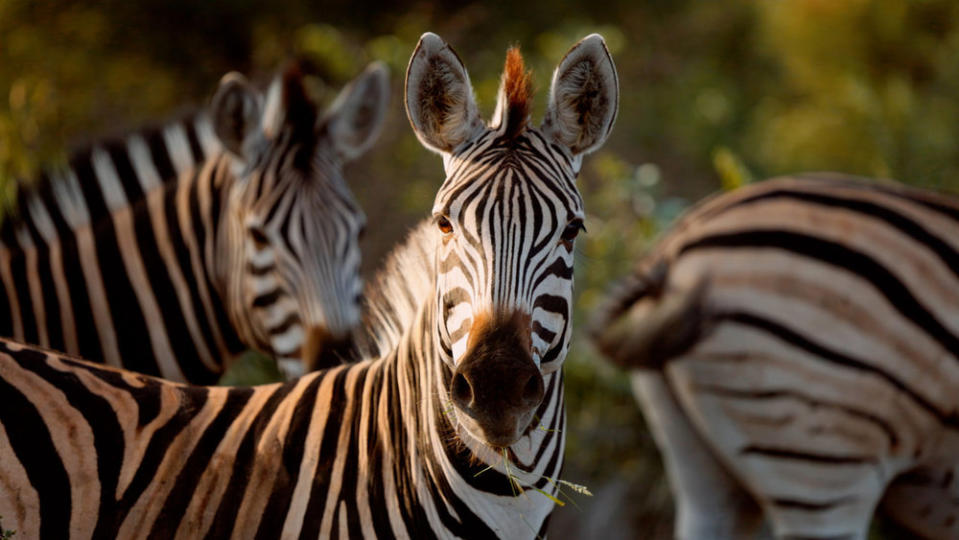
<point x="175" y="250"/>
<point x="794" y="350"/>
<point x="433" y="438"/>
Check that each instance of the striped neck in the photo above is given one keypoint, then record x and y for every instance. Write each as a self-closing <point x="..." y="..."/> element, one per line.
<point x="454" y="461"/>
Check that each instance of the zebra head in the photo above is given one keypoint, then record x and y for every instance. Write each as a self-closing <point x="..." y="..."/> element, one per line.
<point x="508" y="214"/>
<point x="292" y="257"/>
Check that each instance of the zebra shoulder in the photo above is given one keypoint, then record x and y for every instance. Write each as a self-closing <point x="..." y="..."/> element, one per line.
<point x="649" y="320"/>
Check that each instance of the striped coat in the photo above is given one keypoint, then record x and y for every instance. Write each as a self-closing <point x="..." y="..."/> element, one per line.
<point x="797" y="345"/>
<point x="424" y="440"/>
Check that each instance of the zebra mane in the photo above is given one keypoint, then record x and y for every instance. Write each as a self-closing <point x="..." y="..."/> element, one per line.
<point x="300" y="114"/>
<point x="515" y="93"/>
<point x="401" y="285"/>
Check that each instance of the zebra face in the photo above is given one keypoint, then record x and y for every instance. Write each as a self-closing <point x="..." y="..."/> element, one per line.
<point x="508" y="214"/>
<point x="292" y="257"/>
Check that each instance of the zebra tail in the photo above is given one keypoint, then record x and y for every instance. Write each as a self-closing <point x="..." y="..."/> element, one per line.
<point x="646" y="320"/>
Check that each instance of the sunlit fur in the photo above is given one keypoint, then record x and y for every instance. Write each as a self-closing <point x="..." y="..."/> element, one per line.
<point x="819" y="360"/>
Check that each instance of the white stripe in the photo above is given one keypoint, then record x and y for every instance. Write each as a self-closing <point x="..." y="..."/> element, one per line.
<point x="109" y="180"/>
<point x="142" y="162"/>
<point x="69" y="197"/>
<point x="179" y="147"/>
<point x="209" y="142"/>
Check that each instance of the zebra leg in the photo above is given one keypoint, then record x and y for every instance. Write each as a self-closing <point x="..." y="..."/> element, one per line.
<point x="808" y="485"/>
<point x="709" y="502"/>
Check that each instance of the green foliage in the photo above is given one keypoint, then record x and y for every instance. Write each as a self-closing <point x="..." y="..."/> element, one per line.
<point x="252" y="368"/>
<point x="6" y="534"/>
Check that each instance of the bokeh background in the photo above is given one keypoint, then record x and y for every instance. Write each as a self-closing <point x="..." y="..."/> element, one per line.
<point x="714" y="95"/>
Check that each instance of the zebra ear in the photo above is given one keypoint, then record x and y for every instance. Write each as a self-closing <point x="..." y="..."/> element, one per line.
<point x="355" y="118"/>
<point x="439" y="97"/>
<point x="583" y="98"/>
<point x="236" y="111"/>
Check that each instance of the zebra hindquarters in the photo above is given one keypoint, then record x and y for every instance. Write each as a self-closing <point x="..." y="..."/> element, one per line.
<point x="710" y="503"/>
<point x="816" y="445"/>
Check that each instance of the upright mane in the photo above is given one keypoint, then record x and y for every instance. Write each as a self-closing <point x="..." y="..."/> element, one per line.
<point x="517" y="90"/>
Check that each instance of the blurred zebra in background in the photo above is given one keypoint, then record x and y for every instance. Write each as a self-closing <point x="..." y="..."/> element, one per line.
<point x="796" y="345"/>
<point x="433" y="439"/>
<point x="254" y="244"/>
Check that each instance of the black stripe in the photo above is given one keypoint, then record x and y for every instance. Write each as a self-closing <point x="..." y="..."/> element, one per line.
<point x="287" y="323"/>
<point x="183" y="261"/>
<point x="189" y="125"/>
<point x="145" y="394"/>
<point x="826" y="537"/>
<point x="837" y="255"/>
<point x="125" y="171"/>
<point x="376" y="490"/>
<point x="907" y="226"/>
<point x="200" y="234"/>
<point x="177" y="332"/>
<point x="6" y="312"/>
<point x="796" y="455"/>
<point x="815" y="349"/>
<point x="88" y="340"/>
<point x="351" y="466"/>
<point x="159" y="153"/>
<point x="129" y="324"/>
<point x="274" y="514"/>
<point x="189" y="402"/>
<point x="108" y="442"/>
<point x="228" y="511"/>
<point x="21" y="288"/>
<point x="319" y="491"/>
<point x="811" y="506"/>
<point x="187" y="479"/>
<point x="737" y="393"/>
<point x="32" y="444"/>
<point x="267" y="299"/>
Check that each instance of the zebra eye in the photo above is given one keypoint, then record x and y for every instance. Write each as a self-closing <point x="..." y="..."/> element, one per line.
<point x="572" y="230"/>
<point x="444" y="224"/>
<point x="258" y="236"/>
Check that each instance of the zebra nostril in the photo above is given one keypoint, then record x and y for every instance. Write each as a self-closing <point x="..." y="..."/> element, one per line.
<point x="462" y="391"/>
<point x="533" y="390"/>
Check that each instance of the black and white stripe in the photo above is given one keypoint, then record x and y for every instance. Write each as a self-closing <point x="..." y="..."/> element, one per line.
<point x="807" y="331"/>
<point x="167" y="253"/>
<point x="372" y="448"/>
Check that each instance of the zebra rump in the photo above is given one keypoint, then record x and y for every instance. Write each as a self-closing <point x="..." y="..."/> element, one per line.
<point x="813" y="332"/>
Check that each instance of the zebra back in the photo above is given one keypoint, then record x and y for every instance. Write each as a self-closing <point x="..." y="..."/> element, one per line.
<point x="808" y="329"/>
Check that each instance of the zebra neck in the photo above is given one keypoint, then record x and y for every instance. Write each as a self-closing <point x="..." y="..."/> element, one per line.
<point x="195" y="208"/>
<point x="497" y="485"/>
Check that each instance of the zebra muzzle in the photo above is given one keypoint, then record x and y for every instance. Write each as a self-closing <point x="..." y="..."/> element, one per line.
<point x="497" y="386"/>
